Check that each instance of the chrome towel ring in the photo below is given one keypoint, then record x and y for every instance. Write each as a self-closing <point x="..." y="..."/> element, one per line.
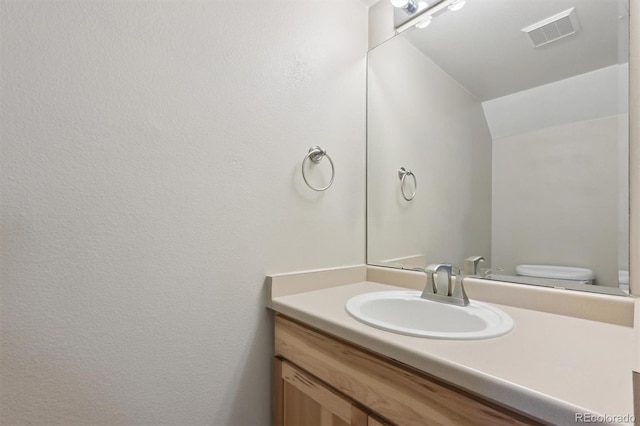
<point x="316" y="154"/>
<point x="402" y="175"/>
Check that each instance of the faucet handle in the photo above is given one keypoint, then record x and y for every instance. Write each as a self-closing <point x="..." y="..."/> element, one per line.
<point x="439" y="285"/>
<point x="488" y="272"/>
<point x="458" y="290"/>
<point x="470" y="265"/>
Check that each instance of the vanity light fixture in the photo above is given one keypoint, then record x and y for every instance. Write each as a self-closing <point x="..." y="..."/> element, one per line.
<point x="408" y="6"/>
<point x="407" y="12"/>
<point x="457" y="5"/>
<point x="426" y="18"/>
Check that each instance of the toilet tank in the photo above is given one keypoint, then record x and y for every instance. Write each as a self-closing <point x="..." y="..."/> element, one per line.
<point x="568" y="273"/>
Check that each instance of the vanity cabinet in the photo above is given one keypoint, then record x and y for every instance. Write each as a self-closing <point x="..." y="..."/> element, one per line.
<point x="321" y="380"/>
<point x="303" y="400"/>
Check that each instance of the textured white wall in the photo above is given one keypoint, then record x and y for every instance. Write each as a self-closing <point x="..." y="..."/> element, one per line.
<point x="150" y="181"/>
<point x="380" y="23"/>
<point x="423" y="120"/>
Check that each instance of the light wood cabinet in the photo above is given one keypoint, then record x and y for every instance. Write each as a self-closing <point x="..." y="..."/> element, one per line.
<point x="304" y="401"/>
<point x="373" y="421"/>
<point x="321" y="380"/>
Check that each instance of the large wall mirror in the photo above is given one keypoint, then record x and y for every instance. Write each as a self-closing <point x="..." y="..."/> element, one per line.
<point x="517" y="140"/>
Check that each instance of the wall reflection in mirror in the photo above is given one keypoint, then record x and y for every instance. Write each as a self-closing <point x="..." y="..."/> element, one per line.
<point x="520" y="152"/>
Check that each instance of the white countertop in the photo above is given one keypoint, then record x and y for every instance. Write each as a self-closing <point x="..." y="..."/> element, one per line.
<point x="550" y="366"/>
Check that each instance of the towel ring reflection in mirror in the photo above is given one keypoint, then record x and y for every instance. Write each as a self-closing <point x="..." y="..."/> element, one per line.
<point x="316" y="154"/>
<point x="402" y="175"/>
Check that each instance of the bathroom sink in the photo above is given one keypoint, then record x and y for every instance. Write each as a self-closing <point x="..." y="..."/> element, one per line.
<point x="404" y="312"/>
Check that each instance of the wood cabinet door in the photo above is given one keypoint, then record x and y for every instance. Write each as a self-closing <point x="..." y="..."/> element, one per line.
<point x="301" y="400"/>
<point x="373" y="421"/>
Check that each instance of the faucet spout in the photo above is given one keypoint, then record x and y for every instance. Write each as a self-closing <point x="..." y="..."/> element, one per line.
<point x="439" y="287"/>
<point x="470" y="265"/>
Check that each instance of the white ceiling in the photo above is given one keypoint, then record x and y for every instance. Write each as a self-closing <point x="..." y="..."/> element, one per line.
<point x="483" y="48"/>
<point x="369" y="3"/>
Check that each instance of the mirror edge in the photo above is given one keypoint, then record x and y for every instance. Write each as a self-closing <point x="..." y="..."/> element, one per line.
<point x="634" y="147"/>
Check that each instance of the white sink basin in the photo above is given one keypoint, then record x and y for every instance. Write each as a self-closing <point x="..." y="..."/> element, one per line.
<point x="404" y="312"/>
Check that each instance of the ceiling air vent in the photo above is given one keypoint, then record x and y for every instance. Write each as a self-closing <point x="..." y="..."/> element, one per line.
<point x="553" y="28"/>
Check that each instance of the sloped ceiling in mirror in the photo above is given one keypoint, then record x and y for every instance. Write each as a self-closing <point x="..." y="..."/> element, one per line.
<point x="484" y="32"/>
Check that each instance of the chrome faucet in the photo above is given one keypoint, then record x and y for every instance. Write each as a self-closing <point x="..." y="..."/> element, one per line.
<point x="470" y="268"/>
<point x="433" y="279"/>
<point x="459" y="295"/>
<point x="438" y="287"/>
<point x="470" y="265"/>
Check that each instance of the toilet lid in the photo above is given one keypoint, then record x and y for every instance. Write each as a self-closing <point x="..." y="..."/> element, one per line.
<point x="556" y="272"/>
